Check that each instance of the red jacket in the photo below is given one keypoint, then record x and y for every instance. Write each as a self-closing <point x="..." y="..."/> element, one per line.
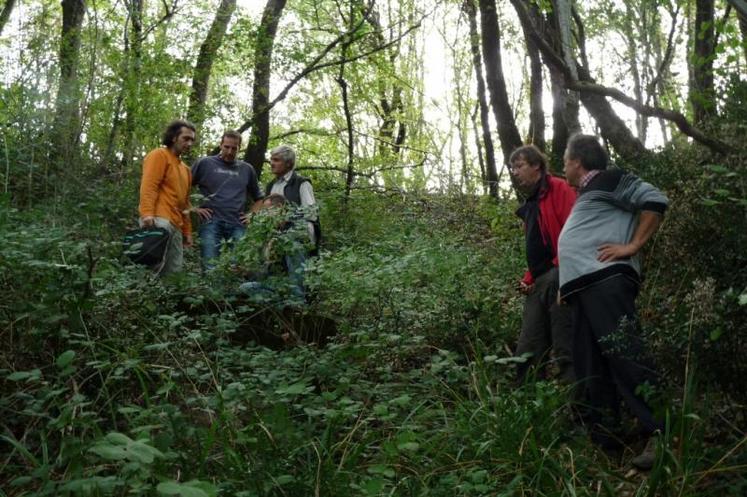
<point x="556" y="200"/>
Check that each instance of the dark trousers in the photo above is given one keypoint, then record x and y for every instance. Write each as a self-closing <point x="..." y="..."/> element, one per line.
<point x="609" y="355"/>
<point x="546" y="326"/>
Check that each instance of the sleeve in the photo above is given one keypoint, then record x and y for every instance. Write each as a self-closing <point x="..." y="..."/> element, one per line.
<point x="196" y="170"/>
<point x="306" y="191"/>
<point x="567" y="200"/>
<point x="154" y="168"/>
<point x="637" y="195"/>
<point x="528" y="278"/>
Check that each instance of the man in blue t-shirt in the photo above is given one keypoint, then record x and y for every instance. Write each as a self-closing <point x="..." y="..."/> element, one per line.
<point x="226" y="184"/>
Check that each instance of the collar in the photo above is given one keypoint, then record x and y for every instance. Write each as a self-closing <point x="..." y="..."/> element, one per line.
<point x="287" y="176"/>
<point x="540" y="188"/>
<point x="224" y="161"/>
<point x="587" y="178"/>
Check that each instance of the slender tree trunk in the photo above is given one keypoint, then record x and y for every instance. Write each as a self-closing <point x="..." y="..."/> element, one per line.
<point x="741" y="7"/>
<point x="701" y="87"/>
<point x="631" y="17"/>
<point x="536" y="111"/>
<point x="491" y="172"/>
<point x="204" y="66"/>
<point x="560" y="132"/>
<point x="66" y="128"/>
<point x="350" y="175"/>
<point x="508" y="133"/>
<point x="390" y="109"/>
<point x="264" y="44"/>
<point x="478" y="147"/>
<point x="5" y="13"/>
<point x="132" y="81"/>
<point x="563" y="16"/>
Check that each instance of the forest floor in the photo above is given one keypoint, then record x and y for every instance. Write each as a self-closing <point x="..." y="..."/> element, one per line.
<point x="395" y="379"/>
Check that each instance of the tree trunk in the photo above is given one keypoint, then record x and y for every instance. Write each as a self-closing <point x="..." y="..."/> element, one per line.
<point x="508" y="133"/>
<point x="701" y="87"/>
<point x="5" y="13"/>
<point x="631" y="17"/>
<point x="563" y="16"/>
<point x="613" y="129"/>
<point x="491" y="172"/>
<point x="536" y="111"/>
<point x="741" y="7"/>
<point x="390" y="109"/>
<point x="560" y="132"/>
<point x="132" y="80"/>
<point x="66" y="128"/>
<point x="204" y="65"/>
<point x="264" y="44"/>
<point x="350" y="174"/>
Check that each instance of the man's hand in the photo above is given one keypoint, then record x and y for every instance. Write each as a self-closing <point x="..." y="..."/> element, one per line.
<point x="245" y="218"/>
<point x="148" y="221"/>
<point x="187" y="241"/>
<point x="609" y="252"/>
<point x="525" y="288"/>
<point x="648" y="223"/>
<point x="204" y="213"/>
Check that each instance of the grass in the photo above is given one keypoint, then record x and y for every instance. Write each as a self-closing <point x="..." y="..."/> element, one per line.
<point x="146" y="389"/>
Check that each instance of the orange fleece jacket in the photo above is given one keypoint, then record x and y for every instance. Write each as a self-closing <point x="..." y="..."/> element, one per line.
<point x="164" y="188"/>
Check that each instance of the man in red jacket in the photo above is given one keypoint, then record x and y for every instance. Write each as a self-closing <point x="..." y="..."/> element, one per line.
<point x="546" y="325"/>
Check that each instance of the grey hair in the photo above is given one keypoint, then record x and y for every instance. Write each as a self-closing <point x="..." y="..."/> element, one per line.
<point x="286" y="153"/>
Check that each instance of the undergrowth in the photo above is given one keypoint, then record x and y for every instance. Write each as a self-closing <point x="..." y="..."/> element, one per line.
<point x="114" y="383"/>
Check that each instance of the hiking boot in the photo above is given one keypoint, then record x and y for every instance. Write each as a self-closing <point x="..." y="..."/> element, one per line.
<point x="645" y="460"/>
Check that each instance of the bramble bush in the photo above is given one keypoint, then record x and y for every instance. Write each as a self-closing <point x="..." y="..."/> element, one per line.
<point x="116" y="383"/>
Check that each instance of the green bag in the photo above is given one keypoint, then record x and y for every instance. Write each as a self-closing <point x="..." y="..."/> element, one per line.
<point x="146" y="245"/>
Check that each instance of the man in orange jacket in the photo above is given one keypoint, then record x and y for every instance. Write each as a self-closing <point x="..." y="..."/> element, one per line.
<point x="545" y="325"/>
<point x="164" y="193"/>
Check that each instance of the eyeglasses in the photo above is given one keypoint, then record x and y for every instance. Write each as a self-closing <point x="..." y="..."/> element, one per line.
<point x="517" y="165"/>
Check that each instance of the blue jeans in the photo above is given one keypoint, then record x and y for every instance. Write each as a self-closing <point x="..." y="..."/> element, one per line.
<point x="294" y="292"/>
<point x="212" y="235"/>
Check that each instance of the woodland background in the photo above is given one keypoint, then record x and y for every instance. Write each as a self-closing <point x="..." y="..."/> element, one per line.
<point x="403" y="113"/>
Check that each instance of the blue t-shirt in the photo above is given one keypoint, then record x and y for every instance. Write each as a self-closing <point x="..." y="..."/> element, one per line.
<point x="225" y="186"/>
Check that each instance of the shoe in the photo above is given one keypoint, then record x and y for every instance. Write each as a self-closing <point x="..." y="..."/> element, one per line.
<point x="645" y="460"/>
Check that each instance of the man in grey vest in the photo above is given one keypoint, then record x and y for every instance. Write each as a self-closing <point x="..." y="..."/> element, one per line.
<point x="298" y="191"/>
<point x="615" y="214"/>
<point x="227" y="185"/>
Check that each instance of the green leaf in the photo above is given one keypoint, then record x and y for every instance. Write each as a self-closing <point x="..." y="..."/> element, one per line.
<point x="294" y="389"/>
<point x="118" y="438"/>
<point x="381" y="469"/>
<point x="65" y="359"/>
<point x="21" y="480"/>
<point x="743" y="299"/>
<point x="716" y="334"/>
<point x="109" y="452"/>
<point x="194" y="488"/>
<point x="34" y="374"/>
<point x="285" y="479"/>
<point x="409" y="446"/>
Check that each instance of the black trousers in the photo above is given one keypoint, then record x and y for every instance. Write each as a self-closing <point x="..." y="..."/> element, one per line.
<point x="609" y="355"/>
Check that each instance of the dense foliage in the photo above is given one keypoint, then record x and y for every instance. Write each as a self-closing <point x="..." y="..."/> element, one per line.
<point x="395" y="377"/>
<point x="114" y="383"/>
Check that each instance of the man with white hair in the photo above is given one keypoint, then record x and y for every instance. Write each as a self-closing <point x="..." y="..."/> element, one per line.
<point x="298" y="191"/>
